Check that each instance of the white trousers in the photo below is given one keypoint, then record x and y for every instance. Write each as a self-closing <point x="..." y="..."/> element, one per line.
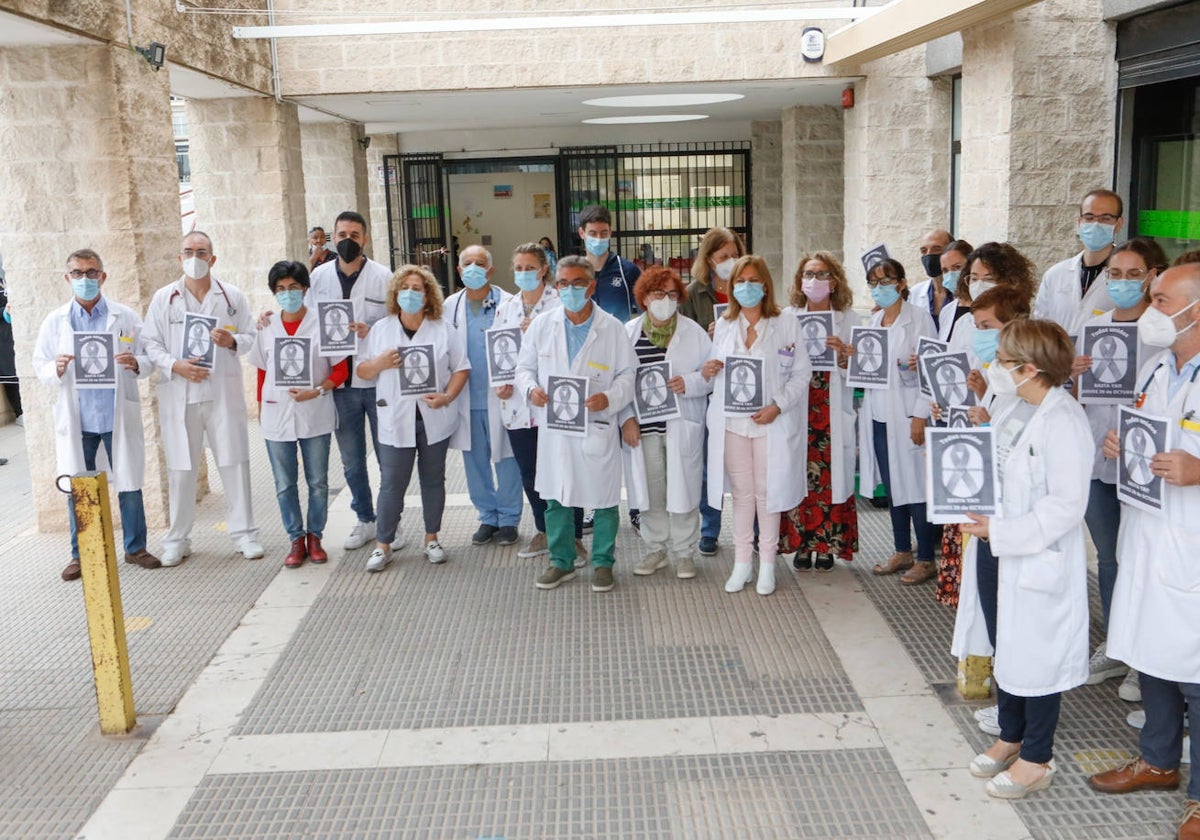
<point x="662" y="531"/>
<point x="235" y="481"/>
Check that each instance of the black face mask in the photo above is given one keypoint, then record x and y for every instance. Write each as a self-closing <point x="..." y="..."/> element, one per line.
<point x="933" y="264"/>
<point x="349" y="250"/>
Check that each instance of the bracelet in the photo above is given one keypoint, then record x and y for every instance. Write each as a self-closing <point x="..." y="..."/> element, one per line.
<point x="321" y="391"/>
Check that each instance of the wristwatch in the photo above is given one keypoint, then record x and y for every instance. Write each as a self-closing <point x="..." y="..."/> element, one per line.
<point x="321" y="390"/>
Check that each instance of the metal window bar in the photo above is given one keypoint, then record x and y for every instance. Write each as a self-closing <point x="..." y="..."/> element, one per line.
<point x="420" y="196"/>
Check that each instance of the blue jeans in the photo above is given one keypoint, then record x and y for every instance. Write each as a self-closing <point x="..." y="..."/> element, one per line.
<point x="498" y="503"/>
<point x="710" y="517"/>
<point x="133" y="512"/>
<point x="902" y="514"/>
<point x="315" y="452"/>
<point x="1162" y="737"/>
<point x="356" y="406"/>
<point x="1103" y="519"/>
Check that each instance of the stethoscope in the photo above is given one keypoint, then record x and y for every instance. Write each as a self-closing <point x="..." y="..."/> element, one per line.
<point x="230" y="309"/>
<point x="1141" y="397"/>
<point x="459" y="305"/>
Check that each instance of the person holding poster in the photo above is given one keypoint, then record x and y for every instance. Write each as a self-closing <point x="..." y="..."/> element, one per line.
<point x="825" y="523"/>
<point x="581" y="341"/>
<point x="1132" y="267"/>
<point x="414" y="429"/>
<point x="297" y="418"/>
<point x="891" y="429"/>
<point x="761" y="451"/>
<point x="1155" y="620"/>
<point x="670" y="451"/>
<point x="86" y="419"/>
<point x="1029" y="593"/>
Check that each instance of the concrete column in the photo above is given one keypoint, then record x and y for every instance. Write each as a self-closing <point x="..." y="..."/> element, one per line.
<point x="381" y="146"/>
<point x="335" y="171"/>
<point x="766" y="183"/>
<point x="85" y="135"/>
<point x="813" y="183"/>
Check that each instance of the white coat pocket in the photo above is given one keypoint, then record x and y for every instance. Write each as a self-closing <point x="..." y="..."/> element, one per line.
<point x="601" y="442"/>
<point x="690" y="437"/>
<point x="1045" y="572"/>
<point x="1178" y="565"/>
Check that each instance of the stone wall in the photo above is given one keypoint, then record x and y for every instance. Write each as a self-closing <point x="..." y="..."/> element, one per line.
<point x="766" y="200"/>
<point x="335" y="171"/>
<point x="381" y="146"/>
<point x="813" y="183"/>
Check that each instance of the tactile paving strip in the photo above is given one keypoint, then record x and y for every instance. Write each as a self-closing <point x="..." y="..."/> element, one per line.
<point x="851" y="793"/>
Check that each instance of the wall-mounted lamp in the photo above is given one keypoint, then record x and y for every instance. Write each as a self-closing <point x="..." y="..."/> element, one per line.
<point x="155" y="54"/>
<point x="364" y="142"/>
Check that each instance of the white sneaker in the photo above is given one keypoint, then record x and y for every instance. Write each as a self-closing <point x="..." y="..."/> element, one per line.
<point x="1136" y="718"/>
<point x="1130" y="690"/>
<point x="379" y="559"/>
<point x="434" y="552"/>
<point x="399" y="542"/>
<point x="173" y="555"/>
<point x="989" y="720"/>
<point x="536" y="546"/>
<point x="1186" y="758"/>
<point x="362" y="534"/>
<point x="1101" y="668"/>
<point x="251" y="548"/>
<point x="742" y="574"/>
<point x="20" y="421"/>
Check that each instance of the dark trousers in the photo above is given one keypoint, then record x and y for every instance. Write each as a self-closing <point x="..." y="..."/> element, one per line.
<point x="524" y="446"/>
<point x="710" y="517"/>
<point x="1103" y="517"/>
<point x="1162" y="736"/>
<point x="395" y="470"/>
<point x="8" y="367"/>
<point x="902" y="515"/>
<point x="1028" y="721"/>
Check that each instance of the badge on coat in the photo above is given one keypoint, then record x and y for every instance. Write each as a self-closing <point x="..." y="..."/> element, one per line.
<point x="960" y="474"/>
<point x="1112" y="378"/>
<point x="1142" y="436"/>
<point x="335" y="338"/>
<point x="926" y="345"/>
<point x="503" y="350"/>
<point x="95" y="365"/>
<point x="652" y="399"/>
<point x="815" y="329"/>
<point x="418" y="374"/>
<point x="567" y="410"/>
<point x="743" y="385"/>
<point x="869" y="363"/>
<point x="946" y="374"/>
<point x="198" y="345"/>
<point x="292" y="362"/>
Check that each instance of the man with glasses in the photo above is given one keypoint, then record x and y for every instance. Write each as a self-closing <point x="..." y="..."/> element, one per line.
<point x="582" y="341"/>
<point x="201" y="400"/>
<point x="1069" y="293"/>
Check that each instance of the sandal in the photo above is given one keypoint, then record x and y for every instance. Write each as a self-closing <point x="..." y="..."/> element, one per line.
<point x="898" y="562"/>
<point x="1002" y="786"/>
<point x="918" y="574"/>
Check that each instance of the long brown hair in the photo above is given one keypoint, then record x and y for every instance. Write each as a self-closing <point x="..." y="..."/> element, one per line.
<point x="714" y="240"/>
<point x="841" y="297"/>
<point x="770" y="309"/>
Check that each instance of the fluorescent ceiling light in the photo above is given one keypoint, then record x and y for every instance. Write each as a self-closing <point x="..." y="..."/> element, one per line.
<point x="605" y="21"/>
<point x="663" y="100"/>
<point x="645" y="118"/>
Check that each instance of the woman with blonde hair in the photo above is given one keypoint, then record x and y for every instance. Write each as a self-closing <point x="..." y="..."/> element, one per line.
<point x="416" y="343"/>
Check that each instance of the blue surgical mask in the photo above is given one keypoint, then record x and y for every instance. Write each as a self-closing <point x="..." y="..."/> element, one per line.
<point x="410" y="300"/>
<point x="1125" y="293"/>
<point x="595" y="246"/>
<point x="950" y="280"/>
<point x="291" y="300"/>
<point x="749" y="293"/>
<point x="473" y="276"/>
<point x="85" y="288"/>
<point x="1095" y="236"/>
<point x="573" y="298"/>
<point x="985" y="343"/>
<point x="526" y="281"/>
<point x="885" y="296"/>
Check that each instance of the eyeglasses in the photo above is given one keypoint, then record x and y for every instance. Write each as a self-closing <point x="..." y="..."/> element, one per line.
<point x="1104" y="219"/>
<point x="885" y="280"/>
<point x="985" y="278"/>
<point x="202" y="254"/>
<point x="572" y="284"/>
<point x="1132" y="274"/>
<point x="817" y="275"/>
<point x="660" y="294"/>
<point x="91" y="274"/>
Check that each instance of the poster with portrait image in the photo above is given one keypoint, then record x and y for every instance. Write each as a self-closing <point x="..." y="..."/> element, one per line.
<point x="869" y="363"/>
<point x="926" y="345"/>
<point x="958" y="417"/>
<point x="946" y="375"/>
<point x="567" y="411"/>
<point x="719" y="310"/>
<point x="291" y="362"/>
<point x="503" y="348"/>
<point x="815" y="328"/>
<point x="873" y="256"/>
<point x="95" y="362"/>
<point x="652" y="399"/>
<point x="1112" y="377"/>
<point x="743" y="385"/>
<point x="336" y="338"/>
<point x="960" y="474"/>
<point x="1142" y="436"/>
<point x="418" y="373"/>
<point x="198" y="345"/>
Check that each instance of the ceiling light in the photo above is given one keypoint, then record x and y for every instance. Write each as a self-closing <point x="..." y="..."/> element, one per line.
<point x="663" y="100"/>
<point x="646" y="118"/>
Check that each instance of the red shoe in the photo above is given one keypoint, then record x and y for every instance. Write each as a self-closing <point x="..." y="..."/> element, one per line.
<point x="295" y="558"/>
<point x="315" y="552"/>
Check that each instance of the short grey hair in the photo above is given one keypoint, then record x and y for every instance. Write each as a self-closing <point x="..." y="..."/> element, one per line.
<point x="576" y="262"/>
<point x="468" y="248"/>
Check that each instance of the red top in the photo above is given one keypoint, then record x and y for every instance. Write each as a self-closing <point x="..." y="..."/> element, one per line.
<point x="721" y="298"/>
<point x="339" y="374"/>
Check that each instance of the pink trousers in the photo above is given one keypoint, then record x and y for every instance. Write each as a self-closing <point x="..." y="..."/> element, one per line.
<point x="746" y="467"/>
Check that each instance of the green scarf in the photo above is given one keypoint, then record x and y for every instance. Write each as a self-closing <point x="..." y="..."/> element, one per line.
<point x="660" y="337"/>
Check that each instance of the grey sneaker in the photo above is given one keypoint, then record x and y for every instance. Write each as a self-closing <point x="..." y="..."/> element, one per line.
<point x="536" y="546"/>
<point x="1101" y="668"/>
<point x="361" y="534"/>
<point x="602" y="579"/>
<point x="507" y="535"/>
<point x="553" y="576"/>
<point x="434" y="552"/>
<point x="685" y="567"/>
<point x="651" y="563"/>
<point x="379" y="559"/>
<point x="582" y="557"/>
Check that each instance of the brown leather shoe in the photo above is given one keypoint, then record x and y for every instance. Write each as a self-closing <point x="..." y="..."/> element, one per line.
<point x="295" y="557"/>
<point x="898" y="562"/>
<point x="144" y="559"/>
<point x="72" y="571"/>
<point x="918" y="574"/>
<point x="1189" y="825"/>
<point x="315" y="552"/>
<point x="1134" y="775"/>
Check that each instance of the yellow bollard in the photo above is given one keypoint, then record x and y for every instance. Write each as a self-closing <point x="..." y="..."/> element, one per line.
<point x="102" y="602"/>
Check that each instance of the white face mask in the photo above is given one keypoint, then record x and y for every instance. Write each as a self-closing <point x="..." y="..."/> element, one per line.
<point x="662" y="310"/>
<point x="1157" y="329"/>
<point x="1001" y="380"/>
<point x="724" y="269"/>
<point x="195" y="268"/>
<point x="978" y="287"/>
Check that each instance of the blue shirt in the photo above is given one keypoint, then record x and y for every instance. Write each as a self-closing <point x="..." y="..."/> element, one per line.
<point x="479" y="316"/>
<point x="577" y="334"/>
<point x="1175" y="381"/>
<point x="614" y="287"/>
<point x="95" y="405"/>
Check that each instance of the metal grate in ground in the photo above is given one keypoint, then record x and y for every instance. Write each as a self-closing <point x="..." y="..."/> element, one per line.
<point x="850" y="793"/>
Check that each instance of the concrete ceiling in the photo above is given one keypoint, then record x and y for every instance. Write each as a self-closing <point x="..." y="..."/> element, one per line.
<point x="16" y="31"/>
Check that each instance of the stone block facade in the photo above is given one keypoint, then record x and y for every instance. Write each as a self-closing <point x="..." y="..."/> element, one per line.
<point x="381" y="146"/>
<point x="335" y="171"/>
<point x="766" y="179"/>
<point x="813" y="183"/>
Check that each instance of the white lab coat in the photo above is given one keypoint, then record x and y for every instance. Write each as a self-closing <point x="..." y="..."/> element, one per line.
<point x="579" y="472"/>
<point x="786" y="375"/>
<point x="128" y="466"/>
<point x="398" y="414"/>
<point x="1059" y="297"/>
<point x="515" y="412"/>
<point x="163" y="337"/>
<point x="842" y="415"/>
<point x="687" y="351"/>
<point x="1042" y="601"/>
<point x="1101" y="418"/>
<point x="1155" y="621"/>
<point x="898" y="404"/>
<point x="282" y="418"/>
<point x="369" y="294"/>
<point x="455" y="310"/>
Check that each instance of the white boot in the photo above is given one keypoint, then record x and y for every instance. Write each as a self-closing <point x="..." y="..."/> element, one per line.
<point x="766" y="578"/>
<point x="743" y="573"/>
